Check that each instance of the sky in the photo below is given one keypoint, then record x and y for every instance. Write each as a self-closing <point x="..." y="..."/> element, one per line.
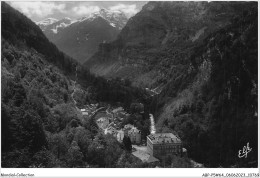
<point x="40" y="10"/>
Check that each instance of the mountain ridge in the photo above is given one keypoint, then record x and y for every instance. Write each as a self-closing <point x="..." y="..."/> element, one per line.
<point x="155" y="40"/>
<point x="80" y="38"/>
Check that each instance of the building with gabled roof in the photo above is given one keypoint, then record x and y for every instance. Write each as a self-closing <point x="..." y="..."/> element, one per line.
<point x="120" y="135"/>
<point x="103" y="122"/>
<point x="128" y="126"/>
<point x="117" y="110"/>
<point x="135" y="135"/>
<point x="111" y="130"/>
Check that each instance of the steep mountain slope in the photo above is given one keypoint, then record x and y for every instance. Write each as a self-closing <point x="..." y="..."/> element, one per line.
<point x="34" y="91"/>
<point x="213" y="106"/>
<point x="80" y="38"/>
<point x="30" y="35"/>
<point x="156" y="44"/>
<point x="40" y="124"/>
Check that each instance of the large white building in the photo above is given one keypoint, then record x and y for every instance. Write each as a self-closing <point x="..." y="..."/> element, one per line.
<point x="161" y="145"/>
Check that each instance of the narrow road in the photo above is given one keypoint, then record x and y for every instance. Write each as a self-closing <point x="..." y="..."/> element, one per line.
<point x="94" y="113"/>
<point x="74" y="89"/>
<point x="108" y="113"/>
<point x="72" y="94"/>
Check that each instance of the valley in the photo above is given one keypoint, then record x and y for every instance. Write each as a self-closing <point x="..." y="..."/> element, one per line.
<point x="173" y="86"/>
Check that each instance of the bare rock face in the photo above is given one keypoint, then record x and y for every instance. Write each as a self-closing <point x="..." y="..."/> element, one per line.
<point x="156" y="44"/>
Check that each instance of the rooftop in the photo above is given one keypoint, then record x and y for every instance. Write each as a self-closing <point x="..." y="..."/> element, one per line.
<point x="141" y="153"/>
<point x="118" y="109"/>
<point x="111" y="128"/>
<point x="152" y="159"/>
<point x="134" y="130"/>
<point x="160" y="138"/>
<point x="102" y="119"/>
<point x="128" y="126"/>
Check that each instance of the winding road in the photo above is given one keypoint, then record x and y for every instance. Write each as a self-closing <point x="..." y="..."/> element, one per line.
<point x="74" y="89"/>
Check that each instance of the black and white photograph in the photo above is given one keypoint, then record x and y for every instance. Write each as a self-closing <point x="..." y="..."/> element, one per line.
<point x="129" y="84"/>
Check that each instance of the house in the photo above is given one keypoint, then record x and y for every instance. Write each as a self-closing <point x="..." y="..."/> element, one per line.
<point x="103" y="122"/>
<point x="85" y="113"/>
<point x="135" y="135"/>
<point x="111" y="130"/>
<point x="161" y="145"/>
<point x="128" y="126"/>
<point x="118" y="110"/>
<point x="120" y="135"/>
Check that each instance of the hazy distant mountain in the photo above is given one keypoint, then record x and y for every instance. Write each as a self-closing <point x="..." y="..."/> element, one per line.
<point x="80" y="38"/>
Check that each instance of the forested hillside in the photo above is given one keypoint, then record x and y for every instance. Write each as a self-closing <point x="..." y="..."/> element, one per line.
<point x="157" y="43"/>
<point x="40" y="124"/>
<point x="213" y="106"/>
<point x="21" y="31"/>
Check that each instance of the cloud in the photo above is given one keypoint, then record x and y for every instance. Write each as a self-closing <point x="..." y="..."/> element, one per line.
<point x="83" y="10"/>
<point x="129" y="10"/>
<point x="36" y="8"/>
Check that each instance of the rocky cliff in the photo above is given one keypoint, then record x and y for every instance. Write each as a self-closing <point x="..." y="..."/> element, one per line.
<point x="156" y="44"/>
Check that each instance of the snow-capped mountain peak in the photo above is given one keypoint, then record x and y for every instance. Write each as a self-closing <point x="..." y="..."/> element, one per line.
<point x="47" y="21"/>
<point x="116" y="19"/>
<point x="54" y="25"/>
<point x="67" y="18"/>
<point x="80" y="38"/>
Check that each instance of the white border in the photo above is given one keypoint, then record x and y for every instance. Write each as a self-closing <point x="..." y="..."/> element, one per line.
<point x="129" y="172"/>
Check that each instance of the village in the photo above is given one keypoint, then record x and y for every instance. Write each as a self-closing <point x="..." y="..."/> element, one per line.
<point x="110" y="121"/>
<point x="155" y="148"/>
